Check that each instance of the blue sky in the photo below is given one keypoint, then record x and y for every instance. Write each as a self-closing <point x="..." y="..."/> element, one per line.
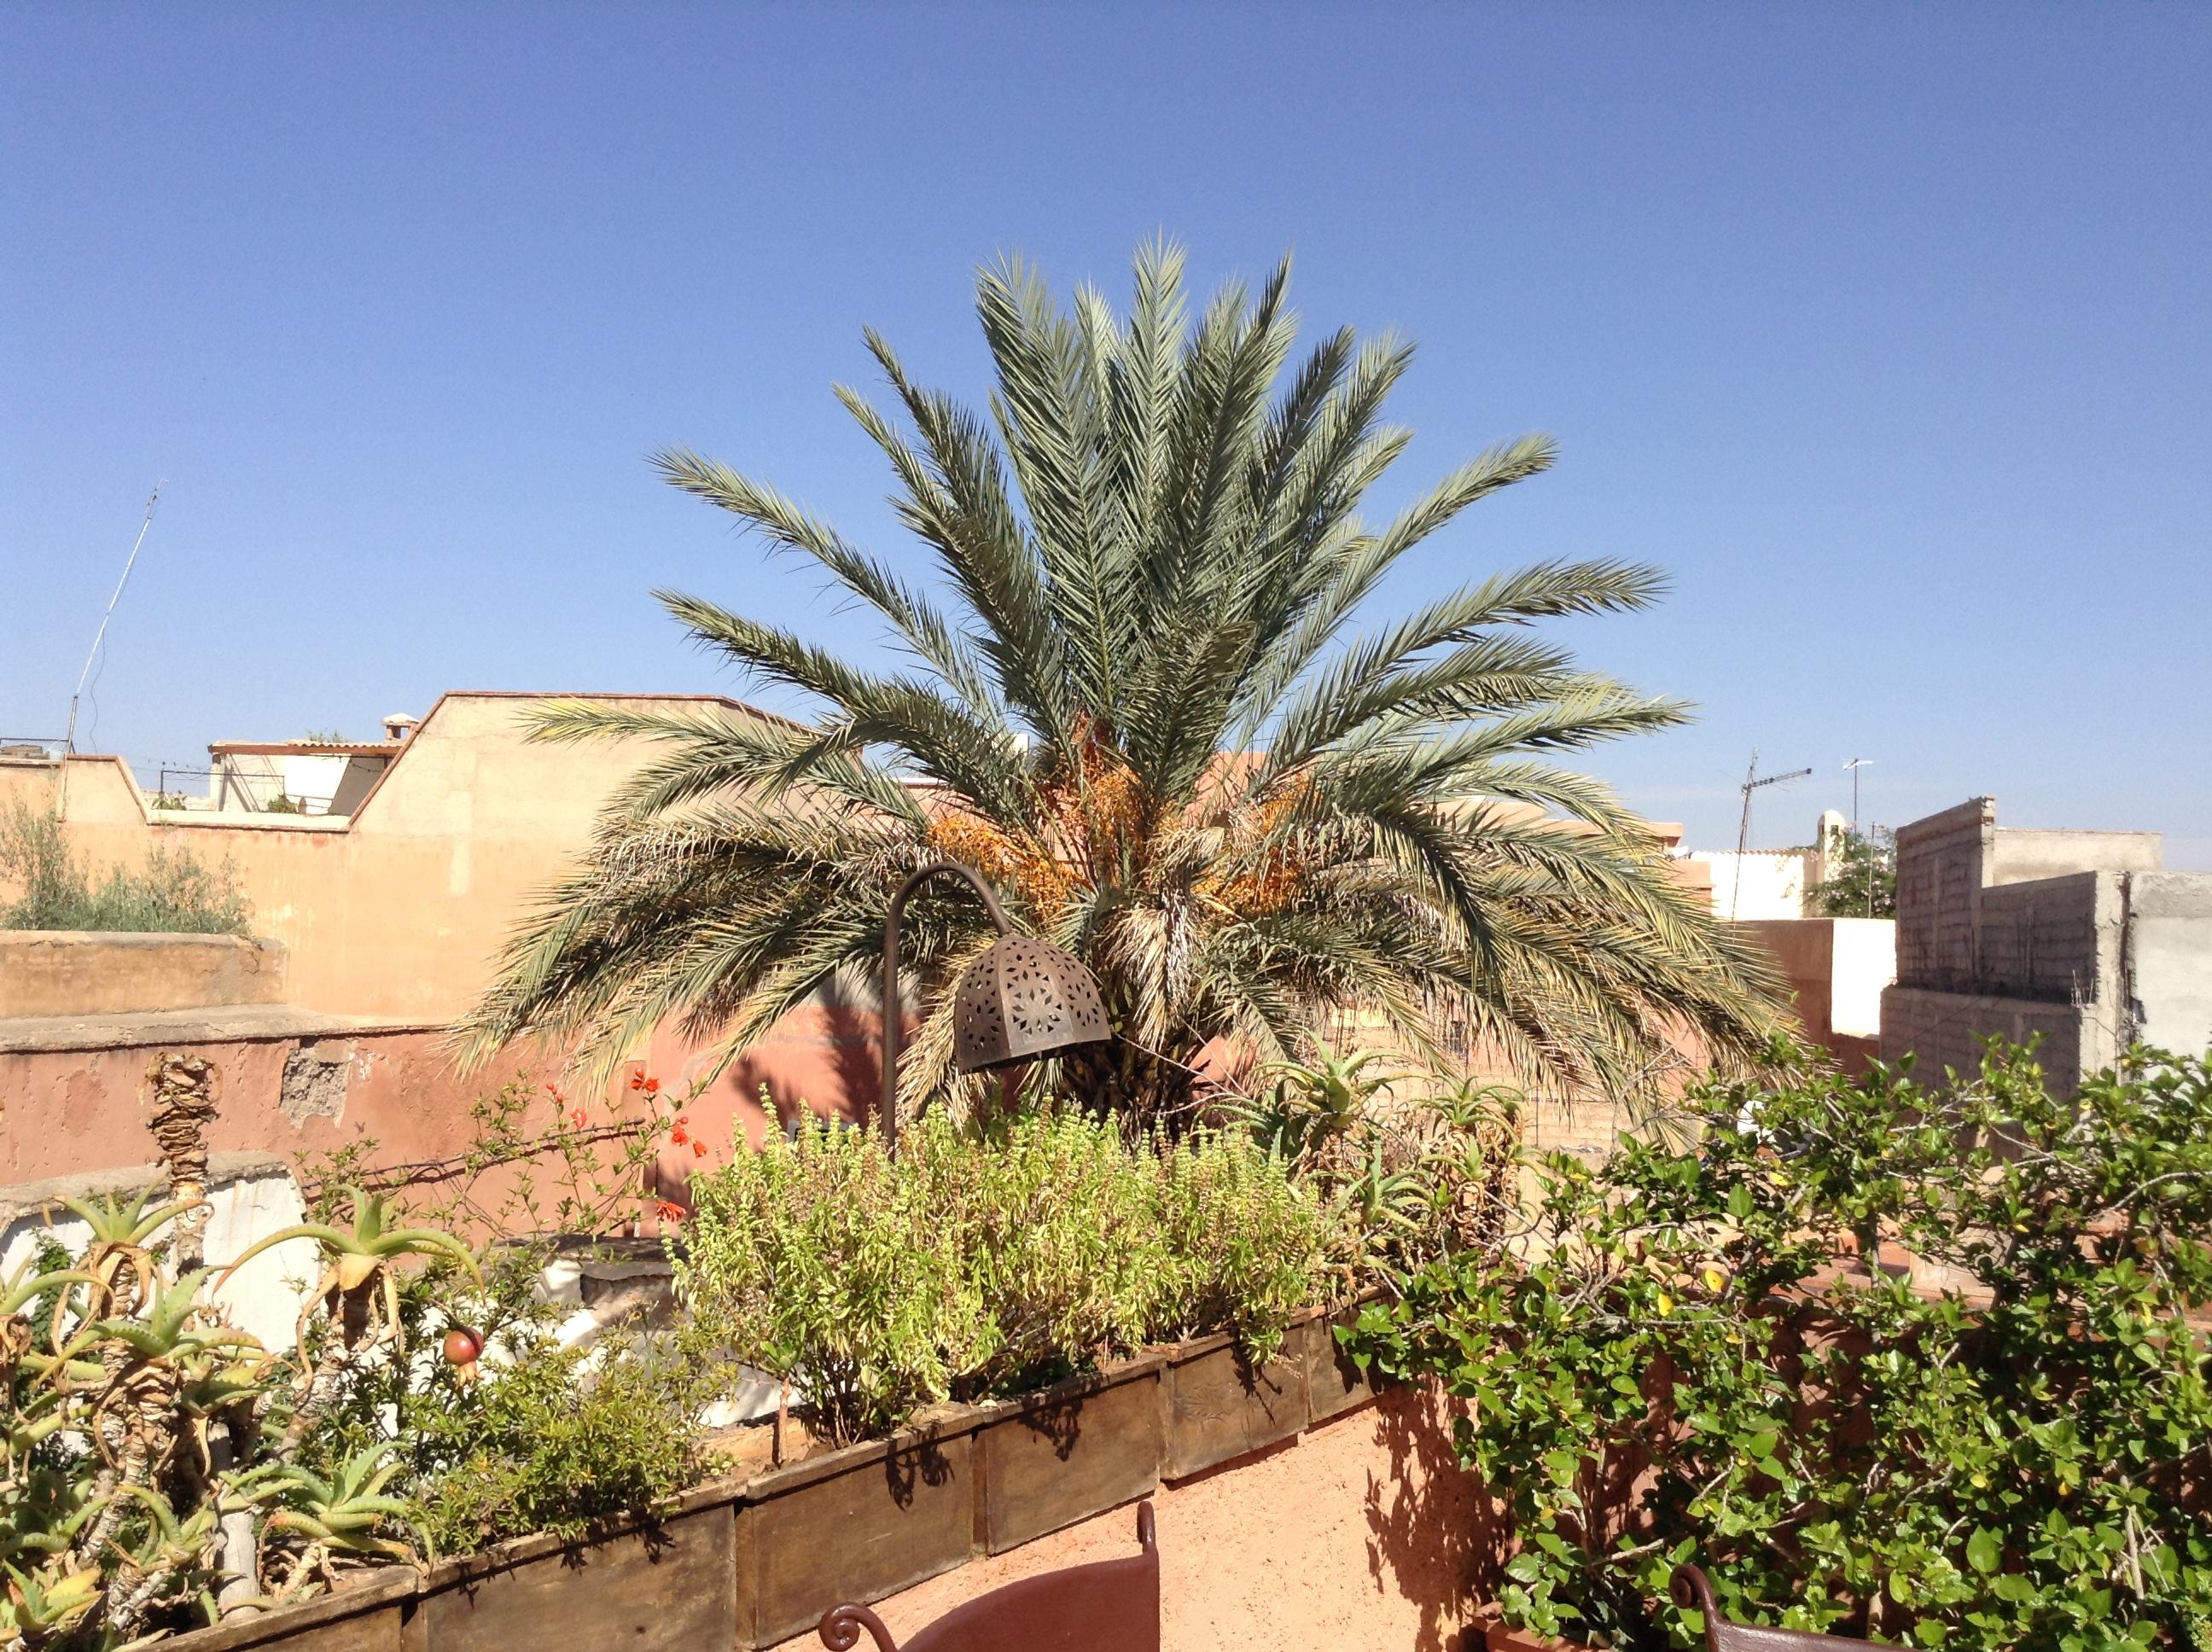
<point x="1886" y="330"/>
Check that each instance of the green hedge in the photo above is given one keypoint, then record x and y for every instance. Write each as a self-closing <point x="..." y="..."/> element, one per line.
<point x="1671" y="1364"/>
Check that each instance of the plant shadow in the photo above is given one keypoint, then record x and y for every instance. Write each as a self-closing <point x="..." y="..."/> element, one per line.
<point x="1434" y="1535"/>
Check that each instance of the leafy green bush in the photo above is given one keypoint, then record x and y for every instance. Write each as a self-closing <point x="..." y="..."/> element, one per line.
<point x="173" y="893"/>
<point x="1673" y="1365"/>
<point x="974" y="1264"/>
<point x="539" y="1437"/>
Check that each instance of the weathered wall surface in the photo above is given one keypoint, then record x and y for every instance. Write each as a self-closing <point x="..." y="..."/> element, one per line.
<point x="61" y="972"/>
<point x="1943" y="1031"/>
<point x="2056" y="940"/>
<point x="1363" y="1533"/>
<point x="2022" y="854"/>
<point x="72" y="1092"/>
<point x="2077" y="936"/>
<point x="400" y="910"/>
<point x="2170" y="958"/>
<point x="1940" y="863"/>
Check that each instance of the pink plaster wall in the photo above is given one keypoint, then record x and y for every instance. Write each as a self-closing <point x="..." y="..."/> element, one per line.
<point x="1363" y="1533"/>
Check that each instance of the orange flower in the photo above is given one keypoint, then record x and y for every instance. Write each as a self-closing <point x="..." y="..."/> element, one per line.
<point x="669" y="1211"/>
<point x="637" y="1081"/>
<point x="698" y="1150"/>
<point x="676" y="1134"/>
<point x="652" y="1086"/>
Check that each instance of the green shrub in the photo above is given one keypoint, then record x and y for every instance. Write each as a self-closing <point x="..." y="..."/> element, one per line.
<point x="1242" y="1246"/>
<point x="550" y="1444"/>
<point x="975" y="1265"/>
<point x="173" y="893"/>
<point x="816" y="1259"/>
<point x="1676" y="1367"/>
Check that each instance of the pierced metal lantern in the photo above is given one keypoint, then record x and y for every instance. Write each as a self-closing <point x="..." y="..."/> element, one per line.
<point x="1022" y="998"/>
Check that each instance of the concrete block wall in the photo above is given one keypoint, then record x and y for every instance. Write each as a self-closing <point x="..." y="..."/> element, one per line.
<point x="1944" y="1031"/>
<point x="2045" y="940"/>
<point x="1940" y="863"/>
<point x="2077" y="936"/>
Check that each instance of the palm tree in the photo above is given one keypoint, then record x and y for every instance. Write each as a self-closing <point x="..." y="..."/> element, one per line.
<point x="1136" y="700"/>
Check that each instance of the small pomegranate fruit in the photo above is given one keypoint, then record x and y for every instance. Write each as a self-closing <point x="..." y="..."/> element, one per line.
<point x="463" y="1344"/>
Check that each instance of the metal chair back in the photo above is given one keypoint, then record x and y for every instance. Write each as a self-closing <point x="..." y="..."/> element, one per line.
<point x="1693" y="1591"/>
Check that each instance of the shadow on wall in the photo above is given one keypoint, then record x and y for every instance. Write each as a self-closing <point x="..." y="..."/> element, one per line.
<point x="1433" y="1533"/>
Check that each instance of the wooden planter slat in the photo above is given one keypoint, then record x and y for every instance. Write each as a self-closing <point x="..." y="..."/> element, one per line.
<point x="1071" y="1452"/>
<point x="666" y="1588"/>
<point x="1217" y="1407"/>
<point x="742" y="1563"/>
<point x="857" y="1525"/>
<point x="1334" y="1384"/>
<point x="369" y="1618"/>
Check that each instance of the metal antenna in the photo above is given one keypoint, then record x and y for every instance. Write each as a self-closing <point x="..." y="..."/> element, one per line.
<point x="69" y="739"/>
<point x="1855" y="765"/>
<point x="1752" y="783"/>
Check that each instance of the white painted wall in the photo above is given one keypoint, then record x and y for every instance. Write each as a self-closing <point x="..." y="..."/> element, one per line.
<point x="1763" y="883"/>
<point x="1864" y="962"/>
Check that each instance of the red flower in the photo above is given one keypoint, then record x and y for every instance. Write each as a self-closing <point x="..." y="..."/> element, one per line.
<point x="652" y="1086"/>
<point x="579" y="1118"/>
<point x="637" y="1081"/>
<point x="669" y="1211"/>
<point x="698" y="1150"/>
<point x="677" y="1136"/>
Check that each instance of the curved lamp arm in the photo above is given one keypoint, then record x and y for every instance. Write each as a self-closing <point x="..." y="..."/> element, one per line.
<point x="894" y="1012"/>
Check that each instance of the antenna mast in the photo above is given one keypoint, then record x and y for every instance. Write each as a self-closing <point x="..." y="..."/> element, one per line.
<point x="1752" y="783"/>
<point x="69" y="739"/>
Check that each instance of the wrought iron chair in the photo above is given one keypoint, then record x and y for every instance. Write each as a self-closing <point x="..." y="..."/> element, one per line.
<point x="1108" y="1605"/>
<point x="1692" y="1590"/>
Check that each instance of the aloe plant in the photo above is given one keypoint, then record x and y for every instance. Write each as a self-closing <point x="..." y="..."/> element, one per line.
<point x="358" y="1278"/>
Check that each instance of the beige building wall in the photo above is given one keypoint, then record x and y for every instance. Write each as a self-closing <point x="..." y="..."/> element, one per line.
<point x="399" y="909"/>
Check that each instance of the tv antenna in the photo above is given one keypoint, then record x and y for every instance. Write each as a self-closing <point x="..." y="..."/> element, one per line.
<point x="1751" y="782"/>
<point x="1855" y="765"/>
<point x="69" y="739"/>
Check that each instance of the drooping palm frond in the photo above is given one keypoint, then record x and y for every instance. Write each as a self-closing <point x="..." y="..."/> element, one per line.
<point x="1145" y="695"/>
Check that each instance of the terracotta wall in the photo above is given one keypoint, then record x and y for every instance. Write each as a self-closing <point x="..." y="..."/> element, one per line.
<point x="399" y="909"/>
<point x="71" y="1107"/>
<point x="1362" y="1533"/>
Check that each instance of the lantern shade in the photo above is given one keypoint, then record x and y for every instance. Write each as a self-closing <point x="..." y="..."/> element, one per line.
<point x="1022" y="998"/>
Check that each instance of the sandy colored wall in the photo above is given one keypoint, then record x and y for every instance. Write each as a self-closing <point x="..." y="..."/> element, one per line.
<point x="60" y="972"/>
<point x="1836" y="969"/>
<point x="1362" y="1533"/>
<point x="399" y="909"/>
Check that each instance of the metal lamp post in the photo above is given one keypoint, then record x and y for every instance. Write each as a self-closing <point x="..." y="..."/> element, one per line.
<point x="1022" y="998"/>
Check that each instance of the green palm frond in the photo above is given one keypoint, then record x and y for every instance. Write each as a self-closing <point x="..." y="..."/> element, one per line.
<point x="1142" y="686"/>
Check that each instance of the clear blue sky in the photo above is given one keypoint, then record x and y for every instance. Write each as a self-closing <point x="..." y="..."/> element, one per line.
<point x="1887" y="331"/>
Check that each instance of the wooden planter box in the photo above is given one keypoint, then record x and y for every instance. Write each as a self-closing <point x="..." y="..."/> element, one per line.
<point x="1334" y="1384"/>
<point x="750" y="1561"/>
<point x="858" y="1524"/>
<point x="1216" y="1406"/>
<point x="666" y="1588"/>
<point x="1052" y="1459"/>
